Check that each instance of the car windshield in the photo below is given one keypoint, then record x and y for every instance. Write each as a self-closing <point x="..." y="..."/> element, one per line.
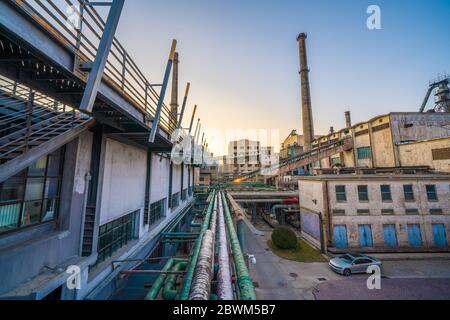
<point x="346" y="258"/>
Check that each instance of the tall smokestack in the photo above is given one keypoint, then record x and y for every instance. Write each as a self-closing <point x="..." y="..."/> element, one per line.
<point x="348" y="120"/>
<point x="308" y="125"/>
<point x="174" y="100"/>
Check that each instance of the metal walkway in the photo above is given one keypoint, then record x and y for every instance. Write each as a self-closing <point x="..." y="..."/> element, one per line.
<point x="304" y="159"/>
<point x="59" y="53"/>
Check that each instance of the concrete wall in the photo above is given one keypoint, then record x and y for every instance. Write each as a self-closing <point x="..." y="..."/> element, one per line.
<point x="421" y="154"/>
<point x="382" y="143"/>
<point x="32" y="251"/>
<point x="123" y="180"/>
<point x="159" y="187"/>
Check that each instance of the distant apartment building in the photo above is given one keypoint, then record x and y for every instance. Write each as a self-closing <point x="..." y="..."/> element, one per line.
<point x="388" y="213"/>
<point x="393" y="140"/>
<point x="245" y="156"/>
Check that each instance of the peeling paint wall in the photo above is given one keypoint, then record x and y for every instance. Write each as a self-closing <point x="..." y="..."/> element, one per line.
<point x="421" y="154"/>
<point x="378" y="213"/>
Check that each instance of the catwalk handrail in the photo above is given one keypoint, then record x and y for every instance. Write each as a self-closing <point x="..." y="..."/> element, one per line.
<point x="79" y="27"/>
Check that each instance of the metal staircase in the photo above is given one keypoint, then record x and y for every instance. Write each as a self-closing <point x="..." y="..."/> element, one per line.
<point x="32" y="125"/>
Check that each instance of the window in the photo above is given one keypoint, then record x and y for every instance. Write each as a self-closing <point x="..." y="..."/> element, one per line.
<point x="431" y="193"/>
<point x="412" y="212"/>
<point x="184" y="195"/>
<point x="32" y="196"/>
<point x="190" y="191"/>
<point x="436" y="212"/>
<point x="387" y="212"/>
<point x="363" y="193"/>
<point x="340" y="193"/>
<point x="409" y="192"/>
<point x="157" y="211"/>
<point x="386" y="193"/>
<point x="364" y="153"/>
<point x="115" y="235"/>
<point x="175" y="200"/>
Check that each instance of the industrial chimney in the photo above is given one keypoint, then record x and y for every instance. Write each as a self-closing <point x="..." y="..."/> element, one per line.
<point x="308" y="126"/>
<point x="348" y="120"/>
<point x="174" y="100"/>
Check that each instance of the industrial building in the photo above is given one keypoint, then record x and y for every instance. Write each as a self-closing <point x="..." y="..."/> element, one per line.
<point x="388" y="212"/>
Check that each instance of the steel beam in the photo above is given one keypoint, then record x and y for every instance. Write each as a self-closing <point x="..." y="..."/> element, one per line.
<point x="98" y="67"/>
<point x="162" y="94"/>
<point x="183" y="107"/>
<point x="192" y="119"/>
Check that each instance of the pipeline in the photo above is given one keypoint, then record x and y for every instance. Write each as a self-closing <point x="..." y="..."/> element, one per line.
<point x="169" y="292"/>
<point x="283" y="214"/>
<point x="157" y="285"/>
<point x="224" y="287"/>
<point x="185" y="290"/>
<point x="245" y="283"/>
<point x="204" y="270"/>
<point x="201" y="284"/>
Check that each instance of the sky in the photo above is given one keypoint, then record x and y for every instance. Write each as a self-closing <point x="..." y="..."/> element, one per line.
<point x="241" y="57"/>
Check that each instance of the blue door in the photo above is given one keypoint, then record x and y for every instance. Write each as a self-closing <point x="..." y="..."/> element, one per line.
<point x="365" y="235"/>
<point x="440" y="237"/>
<point x="414" y="236"/>
<point x="340" y="236"/>
<point x="390" y="235"/>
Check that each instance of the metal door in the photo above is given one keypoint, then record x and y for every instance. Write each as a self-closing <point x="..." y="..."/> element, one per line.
<point x="440" y="237"/>
<point x="390" y="235"/>
<point x="365" y="235"/>
<point x="340" y="236"/>
<point x="414" y="236"/>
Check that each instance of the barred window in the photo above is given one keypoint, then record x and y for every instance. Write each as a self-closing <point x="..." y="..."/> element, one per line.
<point x="175" y="200"/>
<point x="157" y="211"/>
<point x="364" y="153"/>
<point x="115" y="235"/>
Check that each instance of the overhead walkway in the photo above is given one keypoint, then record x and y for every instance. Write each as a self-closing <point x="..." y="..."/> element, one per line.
<point x="308" y="158"/>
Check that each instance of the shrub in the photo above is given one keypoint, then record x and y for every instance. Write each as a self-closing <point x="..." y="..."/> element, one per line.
<point x="284" y="238"/>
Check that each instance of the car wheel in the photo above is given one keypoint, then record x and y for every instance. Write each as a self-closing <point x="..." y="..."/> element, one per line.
<point x="347" y="272"/>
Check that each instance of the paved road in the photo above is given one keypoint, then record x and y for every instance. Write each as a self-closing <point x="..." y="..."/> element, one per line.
<point x="279" y="279"/>
<point x="391" y="289"/>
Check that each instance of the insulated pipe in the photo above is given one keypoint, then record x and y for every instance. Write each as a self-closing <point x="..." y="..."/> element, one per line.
<point x="169" y="292"/>
<point x="245" y="283"/>
<point x="201" y="284"/>
<point x="282" y="206"/>
<point x="185" y="290"/>
<point x="156" y="287"/>
<point x="224" y="288"/>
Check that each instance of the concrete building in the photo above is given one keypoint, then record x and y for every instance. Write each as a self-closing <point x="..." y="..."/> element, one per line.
<point x="387" y="141"/>
<point x="54" y="215"/>
<point x="390" y="212"/>
<point x="243" y="156"/>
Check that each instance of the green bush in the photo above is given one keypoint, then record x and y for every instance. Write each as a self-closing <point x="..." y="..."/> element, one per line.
<point x="284" y="238"/>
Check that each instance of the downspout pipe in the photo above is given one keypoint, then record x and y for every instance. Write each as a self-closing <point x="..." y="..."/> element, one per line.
<point x="186" y="289"/>
<point x="245" y="283"/>
<point x="224" y="287"/>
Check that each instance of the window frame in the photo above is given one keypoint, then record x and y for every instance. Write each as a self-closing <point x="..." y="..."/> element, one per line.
<point x="383" y="193"/>
<point x="411" y="193"/>
<point x="434" y="191"/>
<point x="366" y="192"/>
<point x="339" y="194"/>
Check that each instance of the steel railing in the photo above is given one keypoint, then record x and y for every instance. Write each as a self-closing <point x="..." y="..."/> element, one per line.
<point x="79" y="26"/>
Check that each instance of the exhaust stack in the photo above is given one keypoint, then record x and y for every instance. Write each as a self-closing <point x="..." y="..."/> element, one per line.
<point x="348" y="120"/>
<point x="307" y="117"/>
<point x="174" y="99"/>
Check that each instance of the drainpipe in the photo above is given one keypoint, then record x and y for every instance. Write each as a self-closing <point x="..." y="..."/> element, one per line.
<point x="185" y="290"/>
<point x="245" y="283"/>
<point x="224" y="288"/>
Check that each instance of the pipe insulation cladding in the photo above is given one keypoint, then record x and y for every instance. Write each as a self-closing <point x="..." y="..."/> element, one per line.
<point x="201" y="284"/>
<point x="224" y="280"/>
